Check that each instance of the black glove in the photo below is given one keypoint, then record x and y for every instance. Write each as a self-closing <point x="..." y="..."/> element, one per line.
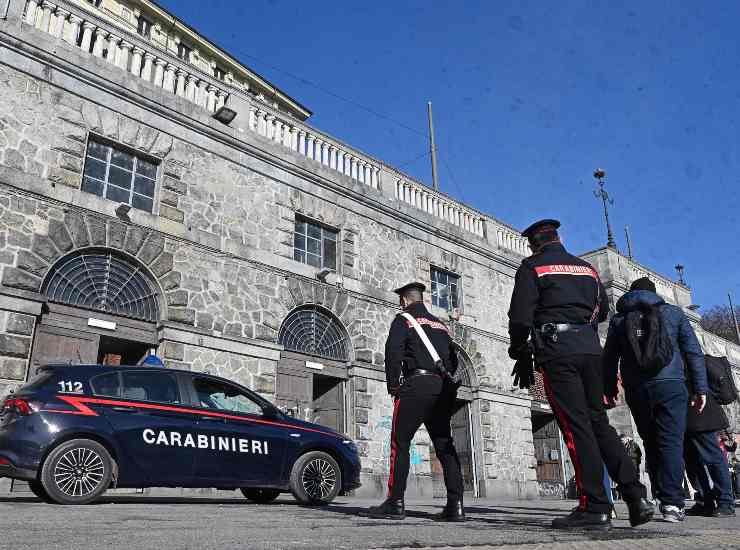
<point x="523" y="371"/>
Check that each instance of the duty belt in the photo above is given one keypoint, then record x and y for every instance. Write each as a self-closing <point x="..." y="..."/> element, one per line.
<point x="418" y="372"/>
<point x="551" y="330"/>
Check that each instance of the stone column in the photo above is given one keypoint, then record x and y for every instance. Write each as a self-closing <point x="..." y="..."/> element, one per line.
<point x="136" y="57"/>
<point x="221" y="99"/>
<point x="302" y="142"/>
<point x="159" y="65"/>
<point x="202" y="95"/>
<point x="269" y="126"/>
<point x="74" y="29"/>
<point x="124" y="54"/>
<point x="294" y="138"/>
<point x="87" y="33"/>
<point x="61" y="19"/>
<point x="261" y="122"/>
<point x="332" y="157"/>
<point x="310" y="140"/>
<point x="277" y="133"/>
<point x="113" y="42"/>
<point x="191" y="87"/>
<point x="99" y="44"/>
<point x="252" y="118"/>
<point x="353" y="167"/>
<point x="211" y="98"/>
<point x="169" y="77"/>
<point x="340" y="161"/>
<point x="31" y="9"/>
<point x="376" y="174"/>
<point x="180" y="86"/>
<point x="45" y="21"/>
<point x="146" y="72"/>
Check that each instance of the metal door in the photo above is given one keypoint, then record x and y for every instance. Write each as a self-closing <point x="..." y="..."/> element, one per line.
<point x="547" y="451"/>
<point x="294" y="388"/>
<point x="328" y="402"/>
<point x="461" y="436"/>
<point x="61" y="345"/>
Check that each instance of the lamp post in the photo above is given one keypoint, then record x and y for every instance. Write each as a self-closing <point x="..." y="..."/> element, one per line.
<point x="600" y="174"/>
<point x="679" y="270"/>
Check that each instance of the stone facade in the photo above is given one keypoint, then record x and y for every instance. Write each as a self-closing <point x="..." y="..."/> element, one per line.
<point x="218" y="245"/>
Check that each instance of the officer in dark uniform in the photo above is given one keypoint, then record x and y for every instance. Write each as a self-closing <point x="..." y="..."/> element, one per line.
<point x="559" y="301"/>
<point x="423" y="393"/>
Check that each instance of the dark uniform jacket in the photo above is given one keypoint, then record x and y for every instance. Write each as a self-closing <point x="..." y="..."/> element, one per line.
<point x="553" y="286"/>
<point x="405" y="352"/>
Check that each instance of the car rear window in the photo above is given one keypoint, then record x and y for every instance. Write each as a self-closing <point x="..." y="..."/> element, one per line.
<point x="108" y="385"/>
<point x="37" y="382"/>
<point x="150" y="386"/>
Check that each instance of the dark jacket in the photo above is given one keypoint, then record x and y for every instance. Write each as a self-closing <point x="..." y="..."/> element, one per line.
<point x="553" y="286"/>
<point x="712" y="418"/>
<point x="680" y="332"/>
<point x="405" y="352"/>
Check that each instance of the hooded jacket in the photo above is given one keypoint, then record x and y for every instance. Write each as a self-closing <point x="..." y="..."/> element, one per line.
<point x="685" y="345"/>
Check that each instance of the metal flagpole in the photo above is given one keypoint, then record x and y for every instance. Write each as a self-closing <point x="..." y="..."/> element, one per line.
<point x="734" y="317"/>
<point x="432" y="148"/>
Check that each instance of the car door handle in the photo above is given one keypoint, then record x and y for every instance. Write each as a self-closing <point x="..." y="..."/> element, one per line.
<point x="212" y="418"/>
<point x="126" y="409"/>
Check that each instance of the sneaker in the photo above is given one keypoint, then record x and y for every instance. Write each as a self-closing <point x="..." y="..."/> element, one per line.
<point x="673" y="514"/>
<point x="724" y="512"/>
<point x="585" y="521"/>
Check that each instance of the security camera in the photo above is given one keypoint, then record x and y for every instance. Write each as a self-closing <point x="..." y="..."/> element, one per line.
<point x="323" y="274"/>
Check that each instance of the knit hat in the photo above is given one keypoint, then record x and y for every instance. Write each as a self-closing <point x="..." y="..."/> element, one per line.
<point x="643" y="283"/>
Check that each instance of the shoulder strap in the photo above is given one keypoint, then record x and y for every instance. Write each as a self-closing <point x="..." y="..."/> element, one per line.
<point x="423" y="335"/>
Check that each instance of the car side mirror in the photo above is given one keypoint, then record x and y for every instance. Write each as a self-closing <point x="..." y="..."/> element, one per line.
<point x="270" y="412"/>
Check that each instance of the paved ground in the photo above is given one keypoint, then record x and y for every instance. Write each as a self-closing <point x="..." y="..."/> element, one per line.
<point x="228" y="523"/>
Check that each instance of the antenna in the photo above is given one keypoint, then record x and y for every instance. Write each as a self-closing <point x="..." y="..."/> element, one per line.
<point x="734" y="317"/>
<point x="629" y="241"/>
<point x="600" y="174"/>
<point x="432" y="148"/>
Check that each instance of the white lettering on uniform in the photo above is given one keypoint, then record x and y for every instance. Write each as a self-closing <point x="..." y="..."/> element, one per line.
<point x="244" y="445"/>
<point x="189" y="441"/>
<point x="148" y="436"/>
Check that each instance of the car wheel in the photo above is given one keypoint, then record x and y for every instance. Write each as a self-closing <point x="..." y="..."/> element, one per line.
<point x="315" y="479"/>
<point x="38" y="490"/>
<point x="261" y="496"/>
<point x="77" y="472"/>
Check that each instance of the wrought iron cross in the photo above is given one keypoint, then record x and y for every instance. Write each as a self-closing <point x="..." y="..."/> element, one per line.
<point x="600" y="174"/>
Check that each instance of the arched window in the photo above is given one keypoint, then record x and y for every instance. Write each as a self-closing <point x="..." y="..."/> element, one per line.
<point x="465" y="373"/>
<point x="101" y="280"/>
<point x="316" y="332"/>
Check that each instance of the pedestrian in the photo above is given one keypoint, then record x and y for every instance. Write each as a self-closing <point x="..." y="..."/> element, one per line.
<point x="420" y="360"/>
<point x="646" y="341"/>
<point x="706" y="461"/>
<point x="633" y="451"/>
<point x="559" y="300"/>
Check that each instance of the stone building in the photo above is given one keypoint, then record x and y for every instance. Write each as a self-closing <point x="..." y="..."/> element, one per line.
<point x="136" y="216"/>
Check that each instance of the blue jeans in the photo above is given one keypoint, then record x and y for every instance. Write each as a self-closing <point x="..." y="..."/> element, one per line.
<point x="659" y="409"/>
<point x="706" y="464"/>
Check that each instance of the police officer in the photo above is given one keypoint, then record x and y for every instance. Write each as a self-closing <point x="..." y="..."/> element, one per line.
<point x="423" y="393"/>
<point x="559" y="300"/>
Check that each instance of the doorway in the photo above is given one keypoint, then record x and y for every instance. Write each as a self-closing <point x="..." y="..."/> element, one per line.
<point x="548" y="451"/>
<point x="117" y="351"/>
<point x="462" y="437"/>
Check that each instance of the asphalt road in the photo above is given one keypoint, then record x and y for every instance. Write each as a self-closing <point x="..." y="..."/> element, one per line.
<point x="225" y="523"/>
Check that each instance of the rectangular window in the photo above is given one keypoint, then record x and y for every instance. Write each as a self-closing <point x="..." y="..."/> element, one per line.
<point x="219" y="73"/>
<point x="144" y="27"/>
<point x="150" y="386"/>
<point x="183" y="52"/>
<point x="119" y="175"/>
<point x="445" y="289"/>
<point x="108" y="385"/>
<point x="314" y="244"/>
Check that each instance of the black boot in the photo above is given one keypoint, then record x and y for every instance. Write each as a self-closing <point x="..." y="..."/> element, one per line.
<point x="641" y="511"/>
<point x="580" y="519"/>
<point x="453" y="511"/>
<point x="391" y="508"/>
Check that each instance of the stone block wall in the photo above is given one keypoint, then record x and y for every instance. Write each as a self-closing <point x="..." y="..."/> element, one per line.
<point x="16" y="332"/>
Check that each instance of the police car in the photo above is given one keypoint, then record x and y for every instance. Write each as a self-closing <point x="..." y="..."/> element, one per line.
<point x="75" y="431"/>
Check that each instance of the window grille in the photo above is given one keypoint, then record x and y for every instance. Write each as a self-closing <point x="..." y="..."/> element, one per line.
<point x="314" y="244"/>
<point x="445" y="288"/>
<point x="314" y="332"/>
<point x="101" y="281"/>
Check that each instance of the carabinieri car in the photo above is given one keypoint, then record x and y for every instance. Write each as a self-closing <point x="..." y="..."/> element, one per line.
<point x="74" y="431"/>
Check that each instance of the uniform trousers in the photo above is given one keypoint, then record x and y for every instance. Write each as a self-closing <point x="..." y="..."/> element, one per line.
<point x="575" y="391"/>
<point x="423" y="399"/>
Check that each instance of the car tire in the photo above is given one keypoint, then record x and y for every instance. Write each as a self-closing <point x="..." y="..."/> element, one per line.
<point x="77" y="472"/>
<point x="261" y="496"/>
<point x="315" y="479"/>
<point x="38" y="490"/>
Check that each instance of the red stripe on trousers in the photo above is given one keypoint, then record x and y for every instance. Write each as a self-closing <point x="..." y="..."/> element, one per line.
<point x="569" y="440"/>
<point x="394" y="445"/>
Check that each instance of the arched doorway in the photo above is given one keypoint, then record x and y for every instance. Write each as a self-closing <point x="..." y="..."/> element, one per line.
<point x="312" y="371"/>
<point x="101" y="307"/>
<point x="462" y="432"/>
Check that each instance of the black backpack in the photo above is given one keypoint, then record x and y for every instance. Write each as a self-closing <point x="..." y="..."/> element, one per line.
<point x="721" y="382"/>
<point x="648" y="339"/>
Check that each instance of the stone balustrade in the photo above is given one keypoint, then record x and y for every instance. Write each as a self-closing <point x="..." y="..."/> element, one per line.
<point x="664" y="286"/>
<point x="512" y="240"/>
<point x="312" y="144"/>
<point x="127" y="52"/>
<point x="434" y="203"/>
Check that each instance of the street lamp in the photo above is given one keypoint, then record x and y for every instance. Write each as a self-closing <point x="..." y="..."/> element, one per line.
<point x="679" y="270"/>
<point x="600" y="174"/>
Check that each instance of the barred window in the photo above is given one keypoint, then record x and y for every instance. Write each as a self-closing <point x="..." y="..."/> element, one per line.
<point x="119" y="175"/>
<point x="144" y="27"/>
<point x="314" y="244"/>
<point x="445" y="288"/>
<point x="184" y="51"/>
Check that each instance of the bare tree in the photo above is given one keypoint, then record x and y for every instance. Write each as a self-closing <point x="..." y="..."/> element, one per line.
<point x="718" y="320"/>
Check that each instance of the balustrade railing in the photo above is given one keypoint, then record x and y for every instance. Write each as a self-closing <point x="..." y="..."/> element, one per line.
<point x="126" y="51"/>
<point x="312" y="144"/>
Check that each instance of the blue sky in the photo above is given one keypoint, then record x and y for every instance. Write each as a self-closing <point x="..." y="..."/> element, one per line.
<point x="529" y="98"/>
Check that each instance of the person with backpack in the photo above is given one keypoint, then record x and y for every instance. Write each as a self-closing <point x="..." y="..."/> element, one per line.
<point x="704" y="450"/>
<point x="645" y="344"/>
